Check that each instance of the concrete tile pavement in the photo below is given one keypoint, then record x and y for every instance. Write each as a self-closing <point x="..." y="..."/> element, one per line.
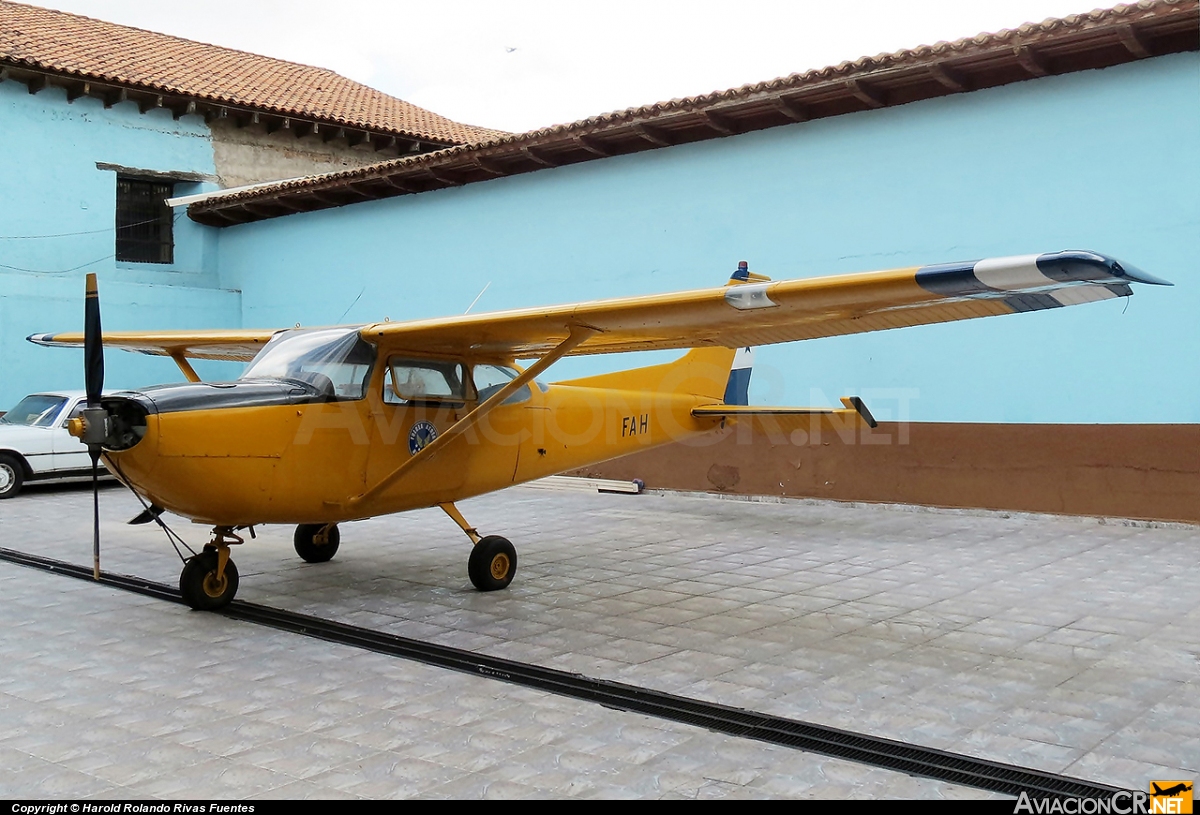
<point x="1065" y="644"/>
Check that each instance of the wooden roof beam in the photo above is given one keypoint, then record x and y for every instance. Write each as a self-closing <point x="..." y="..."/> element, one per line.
<point x="288" y="202"/>
<point x="871" y="96"/>
<point x="1028" y="59"/>
<point x="224" y="213"/>
<point x="115" y="97"/>
<point x="185" y="110"/>
<point x="540" y="158"/>
<point x="398" y="183"/>
<point x="353" y="188"/>
<point x="148" y="103"/>
<point x="1133" y="43"/>
<point x="592" y="146"/>
<point x="650" y="134"/>
<point x="36" y="83"/>
<point x="717" y="122"/>
<point x="488" y="167"/>
<point x="791" y="109"/>
<point x="378" y="185"/>
<point x="443" y="178"/>
<point x="264" y="209"/>
<point x="330" y="200"/>
<point x="78" y="89"/>
<point x="949" y="77"/>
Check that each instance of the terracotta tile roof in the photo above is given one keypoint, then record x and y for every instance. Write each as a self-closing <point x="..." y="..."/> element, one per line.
<point x="1096" y="39"/>
<point x="61" y="43"/>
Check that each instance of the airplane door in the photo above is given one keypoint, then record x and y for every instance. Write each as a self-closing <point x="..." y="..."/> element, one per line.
<point x="421" y="399"/>
<point x="500" y="435"/>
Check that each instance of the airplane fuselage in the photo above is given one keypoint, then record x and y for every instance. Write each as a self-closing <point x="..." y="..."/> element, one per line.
<point x="270" y="451"/>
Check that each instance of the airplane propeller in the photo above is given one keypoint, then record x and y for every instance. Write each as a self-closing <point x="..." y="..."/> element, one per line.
<point x="95" y="417"/>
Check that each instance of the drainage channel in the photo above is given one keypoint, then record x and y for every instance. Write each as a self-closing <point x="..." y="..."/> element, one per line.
<point x="900" y="756"/>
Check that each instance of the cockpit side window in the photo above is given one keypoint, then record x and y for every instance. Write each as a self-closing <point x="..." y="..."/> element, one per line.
<point x="491" y="378"/>
<point x="424" y="380"/>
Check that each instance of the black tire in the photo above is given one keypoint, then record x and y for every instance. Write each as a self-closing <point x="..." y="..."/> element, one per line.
<point x="309" y="549"/>
<point x="493" y="563"/>
<point x="12" y="475"/>
<point x="199" y="586"/>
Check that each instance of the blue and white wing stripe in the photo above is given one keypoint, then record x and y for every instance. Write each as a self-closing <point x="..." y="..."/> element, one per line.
<point x="1035" y="282"/>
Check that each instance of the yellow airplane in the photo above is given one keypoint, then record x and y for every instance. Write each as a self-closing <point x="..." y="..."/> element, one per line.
<point x="328" y="425"/>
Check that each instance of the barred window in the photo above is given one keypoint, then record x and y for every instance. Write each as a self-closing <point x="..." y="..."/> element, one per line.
<point x="144" y="220"/>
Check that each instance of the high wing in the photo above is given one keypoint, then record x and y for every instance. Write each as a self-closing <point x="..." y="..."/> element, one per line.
<point x="753" y="313"/>
<point x="232" y="344"/>
<point x="785" y="311"/>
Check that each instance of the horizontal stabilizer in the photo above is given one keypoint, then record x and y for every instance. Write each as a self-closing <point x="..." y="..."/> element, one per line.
<point x="785" y="419"/>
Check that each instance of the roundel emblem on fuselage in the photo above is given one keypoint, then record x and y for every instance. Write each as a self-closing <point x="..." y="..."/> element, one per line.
<point x="421" y="434"/>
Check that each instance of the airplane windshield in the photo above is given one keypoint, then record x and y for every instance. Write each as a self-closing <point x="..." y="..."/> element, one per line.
<point x="336" y="362"/>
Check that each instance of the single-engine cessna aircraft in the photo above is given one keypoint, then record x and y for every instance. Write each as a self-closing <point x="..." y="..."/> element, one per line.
<point x="336" y="424"/>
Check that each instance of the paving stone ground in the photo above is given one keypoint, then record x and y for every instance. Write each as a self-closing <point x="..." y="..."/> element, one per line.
<point x="1066" y="644"/>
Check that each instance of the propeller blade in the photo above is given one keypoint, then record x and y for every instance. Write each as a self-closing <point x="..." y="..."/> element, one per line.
<point x="93" y="344"/>
<point x="95" y="514"/>
<point x="146" y="515"/>
<point x="93" y="374"/>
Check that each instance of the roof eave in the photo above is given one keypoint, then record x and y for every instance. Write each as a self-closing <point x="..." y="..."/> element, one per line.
<point x="1098" y="40"/>
<point x="112" y="92"/>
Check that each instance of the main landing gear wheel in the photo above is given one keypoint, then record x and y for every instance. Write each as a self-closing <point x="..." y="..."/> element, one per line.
<point x="313" y="546"/>
<point x="493" y="563"/>
<point x="199" y="585"/>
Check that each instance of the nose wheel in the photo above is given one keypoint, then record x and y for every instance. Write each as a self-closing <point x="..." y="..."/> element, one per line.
<point x="204" y="584"/>
<point x="210" y="580"/>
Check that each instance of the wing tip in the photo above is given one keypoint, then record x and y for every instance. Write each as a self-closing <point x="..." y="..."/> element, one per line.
<point x="1080" y="265"/>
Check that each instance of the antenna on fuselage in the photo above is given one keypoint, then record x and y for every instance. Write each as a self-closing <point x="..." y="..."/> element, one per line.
<point x="476" y="300"/>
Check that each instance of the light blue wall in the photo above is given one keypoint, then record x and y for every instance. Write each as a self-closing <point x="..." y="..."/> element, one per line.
<point x="1106" y="160"/>
<point x="50" y="186"/>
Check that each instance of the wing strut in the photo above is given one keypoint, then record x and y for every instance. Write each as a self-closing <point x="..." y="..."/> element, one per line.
<point x="578" y="335"/>
<point x="185" y="367"/>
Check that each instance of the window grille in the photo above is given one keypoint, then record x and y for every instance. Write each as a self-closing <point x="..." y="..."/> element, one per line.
<point x="144" y="233"/>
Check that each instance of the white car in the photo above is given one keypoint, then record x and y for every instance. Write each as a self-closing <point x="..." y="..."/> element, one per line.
<point x="35" y="444"/>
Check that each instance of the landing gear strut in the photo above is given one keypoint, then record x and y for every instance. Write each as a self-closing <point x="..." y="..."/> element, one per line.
<point x="493" y="561"/>
<point x="210" y="579"/>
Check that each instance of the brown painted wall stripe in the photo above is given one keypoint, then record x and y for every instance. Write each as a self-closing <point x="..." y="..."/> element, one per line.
<point x="1143" y="471"/>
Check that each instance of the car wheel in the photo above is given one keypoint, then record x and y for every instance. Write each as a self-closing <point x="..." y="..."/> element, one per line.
<point x="12" y="475"/>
